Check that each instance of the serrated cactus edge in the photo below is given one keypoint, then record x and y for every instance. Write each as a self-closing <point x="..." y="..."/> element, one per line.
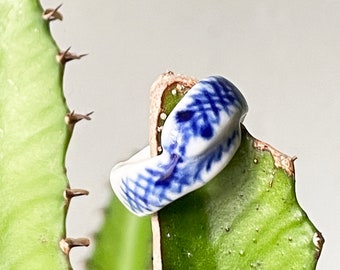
<point x="35" y="129"/>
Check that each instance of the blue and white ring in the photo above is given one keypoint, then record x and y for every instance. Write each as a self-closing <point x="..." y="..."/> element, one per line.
<point x="199" y="138"/>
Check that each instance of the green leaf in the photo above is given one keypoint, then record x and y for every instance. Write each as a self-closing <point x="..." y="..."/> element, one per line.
<point x="247" y="217"/>
<point x="124" y="241"/>
<point x="33" y="141"/>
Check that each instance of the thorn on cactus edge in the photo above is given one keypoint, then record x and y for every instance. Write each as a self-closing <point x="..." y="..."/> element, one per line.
<point x="66" y="56"/>
<point x="318" y="242"/>
<point x="52" y="14"/>
<point x="68" y="243"/>
<point x="72" y="118"/>
<point x="70" y="193"/>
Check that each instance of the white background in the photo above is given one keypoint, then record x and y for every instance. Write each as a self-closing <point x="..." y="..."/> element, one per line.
<point x="284" y="56"/>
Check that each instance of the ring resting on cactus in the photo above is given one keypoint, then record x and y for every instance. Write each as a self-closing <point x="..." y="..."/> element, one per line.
<point x="199" y="138"/>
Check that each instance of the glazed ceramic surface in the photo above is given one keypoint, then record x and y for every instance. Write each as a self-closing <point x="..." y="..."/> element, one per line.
<point x="199" y="138"/>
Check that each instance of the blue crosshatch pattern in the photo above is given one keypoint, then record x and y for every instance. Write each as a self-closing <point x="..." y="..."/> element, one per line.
<point x="202" y="113"/>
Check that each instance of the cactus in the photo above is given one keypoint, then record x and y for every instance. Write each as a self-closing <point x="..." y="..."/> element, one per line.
<point x="34" y="188"/>
<point x="124" y="242"/>
<point x="246" y="218"/>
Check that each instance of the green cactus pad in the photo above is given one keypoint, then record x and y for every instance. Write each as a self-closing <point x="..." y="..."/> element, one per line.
<point x="33" y="141"/>
<point x="246" y="218"/>
<point x="124" y="241"/>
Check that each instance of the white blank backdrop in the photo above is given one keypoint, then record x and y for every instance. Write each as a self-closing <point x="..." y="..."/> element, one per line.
<point x="283" y="55"/>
